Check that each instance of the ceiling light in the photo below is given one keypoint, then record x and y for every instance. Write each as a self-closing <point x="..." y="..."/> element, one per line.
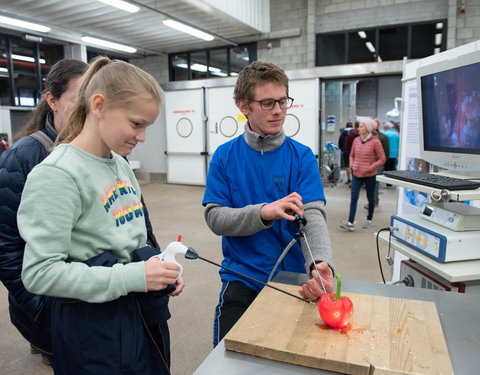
<point x="187" y="29"/>
<point x="26" y="58"/>
<point x="362" y="34"/>
<point x="370" y="47"/>
<point x="107" y="44"/>
<point x="198" y="67"/>
<point x="202" y="68"/>
<point x="24" y="24"/>
<point x="3" y="70"/>
<point x="123" y="5"/>
<point x="220" y="74"/>
<point x="439" y="25"/>
<point x="23" y="58"/>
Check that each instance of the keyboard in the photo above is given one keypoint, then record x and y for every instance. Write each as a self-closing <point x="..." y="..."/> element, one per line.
<point x="433" y="180"/>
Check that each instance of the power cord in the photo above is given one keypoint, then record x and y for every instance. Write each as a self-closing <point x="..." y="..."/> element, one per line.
<point x="389" y="259"/>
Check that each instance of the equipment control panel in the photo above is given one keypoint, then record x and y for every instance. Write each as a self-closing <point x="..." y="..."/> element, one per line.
<point x="456" y="216"/>
<point x="434" y="240"/>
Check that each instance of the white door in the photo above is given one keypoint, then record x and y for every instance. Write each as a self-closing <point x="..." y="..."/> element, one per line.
<point x="185" y="137"/>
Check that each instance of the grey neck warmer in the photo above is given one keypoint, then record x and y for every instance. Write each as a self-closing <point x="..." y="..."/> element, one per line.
<point x="266" y="143"/>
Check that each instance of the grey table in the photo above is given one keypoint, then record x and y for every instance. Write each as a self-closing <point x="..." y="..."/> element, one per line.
<point x="458" y="315"/>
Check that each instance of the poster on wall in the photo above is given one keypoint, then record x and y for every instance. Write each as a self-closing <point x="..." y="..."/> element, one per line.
<point x="331" y="123"/>
<point x="411" y="200"/>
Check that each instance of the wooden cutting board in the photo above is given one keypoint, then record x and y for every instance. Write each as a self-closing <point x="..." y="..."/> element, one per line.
<point x="386" y="335"/>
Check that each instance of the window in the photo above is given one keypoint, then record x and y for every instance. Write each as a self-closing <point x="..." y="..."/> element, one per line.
<point x="393" y="43"/>
<point x="358" y="47"/>
<point x="240" y="57"/>
<point x="219" y="66"/>
<point x="331" y="49"/>
<point x="381" y="44"/>
<point x="24" y="66"/>
<point x="427" y="38"/>
<point x="199" y="65"/>
<point x="211" y="63"/>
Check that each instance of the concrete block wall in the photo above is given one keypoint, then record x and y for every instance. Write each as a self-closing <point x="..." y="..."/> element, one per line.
<point x="467" y="24"/>
<point x="288" y="53"/>
<point x="337" y="15"/>
<point x="157" y="66"/>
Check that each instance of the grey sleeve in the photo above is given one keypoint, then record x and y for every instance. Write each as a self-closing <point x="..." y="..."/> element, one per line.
<point x="317" y="235"/>
<point x="227" y="221"/>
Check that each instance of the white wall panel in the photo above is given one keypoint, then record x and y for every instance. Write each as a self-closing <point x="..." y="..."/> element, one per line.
<point x="185" y="137"/>
<point x="225" y="121"/>
<point x="302" y="118"/>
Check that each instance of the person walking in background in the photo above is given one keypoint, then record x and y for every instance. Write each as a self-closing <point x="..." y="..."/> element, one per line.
<point x="30" y="313"/>
<point x="345" y="154"/>
<point x="85" y="234"/>
<point x="366" y="156"/>
<point x="386" y="149"/>
<point x="393" y="143"/>
<point x="256" y="184"/>
<point x="352" y="134"/>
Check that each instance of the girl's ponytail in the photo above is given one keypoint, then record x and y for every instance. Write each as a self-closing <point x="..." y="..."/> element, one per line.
<point x="76" y="119"/>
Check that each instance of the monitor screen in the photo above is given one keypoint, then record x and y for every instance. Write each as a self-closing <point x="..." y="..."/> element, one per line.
<point x="449" y="112"/>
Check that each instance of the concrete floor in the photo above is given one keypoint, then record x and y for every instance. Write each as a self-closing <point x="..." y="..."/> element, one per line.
<point x="175" y="210"/>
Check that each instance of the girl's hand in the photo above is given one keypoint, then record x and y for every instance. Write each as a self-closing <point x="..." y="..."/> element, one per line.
<point x="159" y="274"/>
<point x="179" y="284"/>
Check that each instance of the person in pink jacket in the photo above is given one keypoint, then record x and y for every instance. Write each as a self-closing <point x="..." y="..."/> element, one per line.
<point x="365" y="157"/>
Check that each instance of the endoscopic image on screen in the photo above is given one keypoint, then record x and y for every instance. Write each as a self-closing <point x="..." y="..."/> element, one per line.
<point x="451" y="109"/>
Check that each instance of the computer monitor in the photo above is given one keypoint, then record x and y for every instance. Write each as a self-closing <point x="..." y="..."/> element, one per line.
<point x="449" y="114"/>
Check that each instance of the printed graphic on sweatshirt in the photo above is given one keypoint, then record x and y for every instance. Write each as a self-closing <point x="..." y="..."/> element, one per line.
<point x="126" y="213"/>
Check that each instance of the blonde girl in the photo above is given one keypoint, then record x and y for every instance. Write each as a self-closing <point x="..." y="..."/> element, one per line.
<point x="83" y="222"/>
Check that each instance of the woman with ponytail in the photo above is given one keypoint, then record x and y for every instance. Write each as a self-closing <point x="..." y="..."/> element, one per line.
<point x="83" y="222"/>
<point x="30" y="313"/>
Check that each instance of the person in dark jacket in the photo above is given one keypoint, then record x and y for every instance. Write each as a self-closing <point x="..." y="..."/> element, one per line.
<point x="30" y="313"/>
<point x="352" y="134"/>
<point x="345" y="154"/>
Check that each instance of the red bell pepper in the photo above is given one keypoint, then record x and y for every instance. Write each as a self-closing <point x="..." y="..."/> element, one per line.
<point x="334" y="310"/>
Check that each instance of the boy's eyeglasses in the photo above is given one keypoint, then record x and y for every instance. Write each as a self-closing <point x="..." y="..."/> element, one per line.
<point x="269" y="104"/>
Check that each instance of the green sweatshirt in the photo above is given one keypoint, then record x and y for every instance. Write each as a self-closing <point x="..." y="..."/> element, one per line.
<point x="75" y="206"/>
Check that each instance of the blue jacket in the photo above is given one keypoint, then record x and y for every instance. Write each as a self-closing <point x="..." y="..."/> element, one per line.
<point x="112" y="337"/>
<point x="26" y="309"/>
<point x="29" y="313"/>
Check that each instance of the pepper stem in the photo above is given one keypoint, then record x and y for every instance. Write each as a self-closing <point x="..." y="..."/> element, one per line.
<point x="339" y="286"/>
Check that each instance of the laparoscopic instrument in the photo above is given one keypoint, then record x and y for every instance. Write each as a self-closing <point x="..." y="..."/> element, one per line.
<point x="177" y="248"/>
